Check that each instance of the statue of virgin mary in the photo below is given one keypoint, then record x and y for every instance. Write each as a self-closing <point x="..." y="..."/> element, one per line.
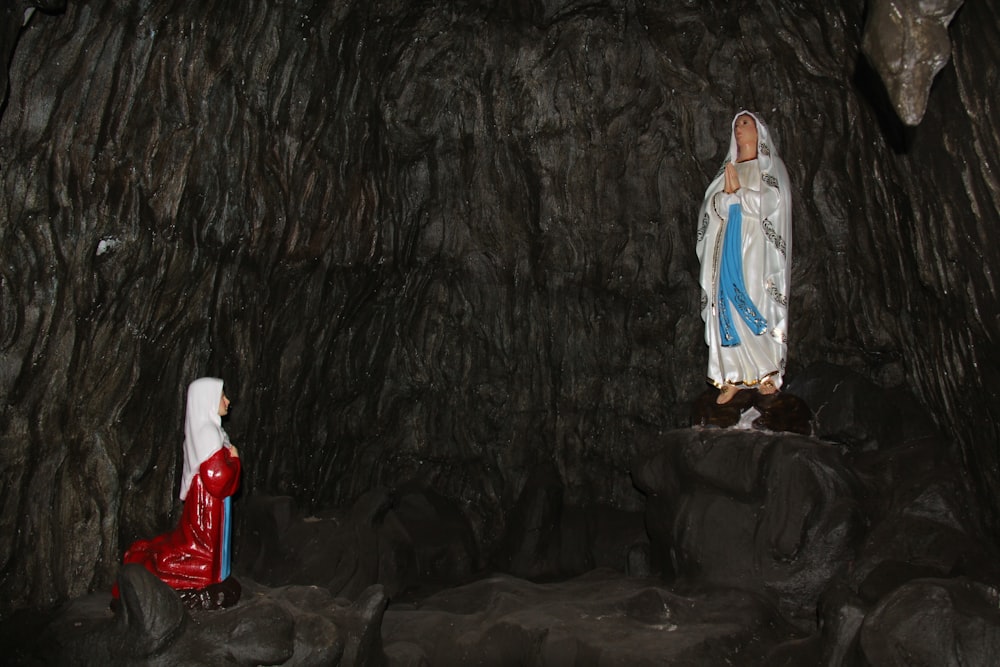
<point x="744" y="246"/>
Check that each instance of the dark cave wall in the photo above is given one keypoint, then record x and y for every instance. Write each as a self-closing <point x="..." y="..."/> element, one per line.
<point x="954" y="194"/>
<point x="441" y="242"/>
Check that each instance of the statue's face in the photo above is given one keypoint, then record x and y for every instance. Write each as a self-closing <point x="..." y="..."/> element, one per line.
<point x="745" y="131"/>
<point x="223" y="405"/>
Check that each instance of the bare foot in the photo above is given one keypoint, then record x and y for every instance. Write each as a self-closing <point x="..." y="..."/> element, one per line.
<point x="767" y="388"/>
<point x="726" y="393"/>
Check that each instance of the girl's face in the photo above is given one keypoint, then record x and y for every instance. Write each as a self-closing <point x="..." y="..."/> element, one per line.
<point x="223" y="405"/>
<point x="745" y="130"/>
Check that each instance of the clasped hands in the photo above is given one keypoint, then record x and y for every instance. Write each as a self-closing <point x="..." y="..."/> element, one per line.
<point x="732" y="183"/>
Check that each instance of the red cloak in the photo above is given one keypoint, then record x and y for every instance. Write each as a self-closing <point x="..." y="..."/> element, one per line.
<point x="190" y="556"/>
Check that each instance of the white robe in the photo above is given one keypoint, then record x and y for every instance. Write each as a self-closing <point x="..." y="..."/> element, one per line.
<point x="765" y="200"/>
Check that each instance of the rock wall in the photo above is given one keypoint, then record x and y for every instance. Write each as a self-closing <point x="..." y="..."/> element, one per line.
<point x="442" y="243"/>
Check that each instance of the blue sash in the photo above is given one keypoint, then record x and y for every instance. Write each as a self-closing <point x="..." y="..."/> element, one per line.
<point x="227" y="526"/>
<point x="732" y="289"/>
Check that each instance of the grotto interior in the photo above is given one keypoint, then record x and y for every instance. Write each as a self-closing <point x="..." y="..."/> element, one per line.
<point x="442" y="254"/>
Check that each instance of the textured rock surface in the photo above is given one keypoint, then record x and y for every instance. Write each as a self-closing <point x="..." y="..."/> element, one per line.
<point x="397" y="542"/>
<point x="907" y="42"/>
<point x="758" y="549"/>
<point x="293" y="625"/>
<point x="776" y="513"/>
<point x="601" y="618"/>
<point x="444" y="243"/>
<point x="934" y="622"/>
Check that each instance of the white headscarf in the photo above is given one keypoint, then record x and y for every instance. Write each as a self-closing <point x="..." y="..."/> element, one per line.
<point x="203" y="433"/>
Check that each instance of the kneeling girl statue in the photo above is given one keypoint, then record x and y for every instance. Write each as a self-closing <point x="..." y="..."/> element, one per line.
<point x="195" y="557"/>
<point x="744" y="246"/>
